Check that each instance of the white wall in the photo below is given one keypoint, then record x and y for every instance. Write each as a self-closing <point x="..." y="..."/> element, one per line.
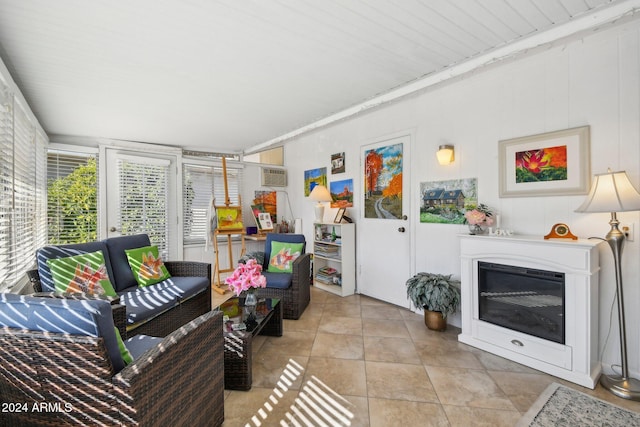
<point x="592" y="81"/>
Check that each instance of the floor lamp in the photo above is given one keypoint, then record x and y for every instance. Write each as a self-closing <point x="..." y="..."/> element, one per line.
<point x="613" y="192"/>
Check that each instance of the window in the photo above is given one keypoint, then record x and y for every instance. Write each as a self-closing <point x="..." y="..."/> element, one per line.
<point x="144" y="199"/>
<point x="72" y="197"/>
<point x="200" y="183"/>
<point x="22" y="190"/>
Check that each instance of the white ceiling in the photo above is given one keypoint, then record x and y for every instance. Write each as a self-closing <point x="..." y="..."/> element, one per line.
<point x="231" y="75"/>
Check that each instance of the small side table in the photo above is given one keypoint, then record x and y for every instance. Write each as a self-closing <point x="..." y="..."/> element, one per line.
<point x="238" y="348"/>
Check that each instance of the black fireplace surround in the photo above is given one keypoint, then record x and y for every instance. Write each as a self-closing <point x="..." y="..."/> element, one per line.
<point x="522" y="299"/>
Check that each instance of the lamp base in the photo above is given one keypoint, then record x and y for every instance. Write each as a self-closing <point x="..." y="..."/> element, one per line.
<point x="628" y="388"/>
<point x="319" y="212"/>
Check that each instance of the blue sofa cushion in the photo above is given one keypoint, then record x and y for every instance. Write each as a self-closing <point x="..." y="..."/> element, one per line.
<point x="145" y="305"/>
<point x="64" y="251"/>
<point x="122" y="277"/>
<point x="278" y="280"/>
<point x="180" y="287"/>
<point x="75" y="317"/>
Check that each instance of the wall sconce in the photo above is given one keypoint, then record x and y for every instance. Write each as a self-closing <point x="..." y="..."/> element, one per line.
<point x="445" y="154"/>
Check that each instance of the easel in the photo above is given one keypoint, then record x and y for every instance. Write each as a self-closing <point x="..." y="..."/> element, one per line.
<point x="234" y="230"/>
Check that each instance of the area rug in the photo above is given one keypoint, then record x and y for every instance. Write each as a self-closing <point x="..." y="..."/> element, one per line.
<point x="562" y="406"/>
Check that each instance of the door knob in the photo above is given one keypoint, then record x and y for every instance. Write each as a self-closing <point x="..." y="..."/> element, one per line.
<point x="113" y="229"/>
<point x="404" y="217"/>
<point x="401" y="229"/>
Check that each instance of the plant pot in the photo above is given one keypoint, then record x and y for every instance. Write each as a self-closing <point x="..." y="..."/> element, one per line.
<point x="434" y="320"/>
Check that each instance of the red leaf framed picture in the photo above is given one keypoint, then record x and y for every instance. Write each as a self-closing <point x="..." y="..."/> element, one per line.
<point x="548" y="164"/>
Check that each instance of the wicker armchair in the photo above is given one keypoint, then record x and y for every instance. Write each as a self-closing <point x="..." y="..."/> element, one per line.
<point x="69" y="379"/>
<point x="294" y="298"/>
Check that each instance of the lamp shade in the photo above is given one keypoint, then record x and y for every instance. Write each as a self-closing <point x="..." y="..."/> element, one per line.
<point x="320" y="194"/>
<point x="611" y="192"/>
<point x="445" y="154"/>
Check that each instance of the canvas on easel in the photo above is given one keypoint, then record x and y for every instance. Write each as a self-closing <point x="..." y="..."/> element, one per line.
<point x="229" y="223"/>
<point x="229" y="218"/>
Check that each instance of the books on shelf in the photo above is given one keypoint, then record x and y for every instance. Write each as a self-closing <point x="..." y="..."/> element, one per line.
<point x="329" y="275"/>
<point x="327" y="250"/>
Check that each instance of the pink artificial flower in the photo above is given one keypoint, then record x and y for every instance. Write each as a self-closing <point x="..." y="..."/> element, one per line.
<point x="246" y="276"/>
<point x="475" y="217"/>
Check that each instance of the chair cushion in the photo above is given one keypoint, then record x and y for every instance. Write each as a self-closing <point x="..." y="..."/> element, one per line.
<point x="62" y="251"/>
<point x="146" y="265"/>
<point x="122" y="277"/>
<point x="280" y="237"/>
<point x="145" y="305"/>
<point x="66" y="316"/>
<point x="140" y="343"/>
<point x="278" y="280"/>
<point x="179" y="286"/>
<point x="283" y="255"/>
<point x="84" y="273"/>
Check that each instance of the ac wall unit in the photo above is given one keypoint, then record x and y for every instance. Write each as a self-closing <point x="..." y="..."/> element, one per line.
<point x="273" y="177"/>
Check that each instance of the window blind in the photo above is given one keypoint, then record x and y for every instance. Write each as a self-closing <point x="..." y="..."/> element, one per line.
<point x="144" y="199"/>
<point x="200" y="183"/>
<point x="22" y="188"/>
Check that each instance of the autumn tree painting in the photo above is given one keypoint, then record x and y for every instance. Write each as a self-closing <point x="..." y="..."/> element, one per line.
<point x="383" y="182"/>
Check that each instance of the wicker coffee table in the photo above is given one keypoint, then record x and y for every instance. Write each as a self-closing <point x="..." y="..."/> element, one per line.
<point x="238" y="342"/>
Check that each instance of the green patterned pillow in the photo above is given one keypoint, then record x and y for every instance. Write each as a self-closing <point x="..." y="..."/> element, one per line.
<point x="124" y="351"/>
<point x="81" y="273"/>
<point x="146" y="265"/>
<point x="283" y="255"/>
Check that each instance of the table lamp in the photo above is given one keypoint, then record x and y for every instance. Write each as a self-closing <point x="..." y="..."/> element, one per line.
<point x="613" y="192"/>
<point x="320" y="194"/>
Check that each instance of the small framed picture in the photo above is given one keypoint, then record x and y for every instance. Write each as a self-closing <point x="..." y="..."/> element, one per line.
<point x="339" y="215"/>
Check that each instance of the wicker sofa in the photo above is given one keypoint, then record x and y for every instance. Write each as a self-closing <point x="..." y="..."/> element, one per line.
<point x="155" y="310"/>
<point x="60" y="364"/>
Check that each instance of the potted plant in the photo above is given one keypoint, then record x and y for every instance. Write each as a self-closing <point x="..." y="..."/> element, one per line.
<point x="437" y="294"/>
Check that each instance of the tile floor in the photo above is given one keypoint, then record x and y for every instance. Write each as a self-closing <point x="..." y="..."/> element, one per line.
<point x="394" y="370"/>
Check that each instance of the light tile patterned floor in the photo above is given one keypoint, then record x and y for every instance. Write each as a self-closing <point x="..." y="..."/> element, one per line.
<point x="394" y="370"/>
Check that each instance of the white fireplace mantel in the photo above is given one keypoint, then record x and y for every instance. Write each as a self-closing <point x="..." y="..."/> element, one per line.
<point x="577" y="359"/>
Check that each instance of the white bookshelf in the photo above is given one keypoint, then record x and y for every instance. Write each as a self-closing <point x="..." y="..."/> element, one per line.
<point x="334" y="258"/>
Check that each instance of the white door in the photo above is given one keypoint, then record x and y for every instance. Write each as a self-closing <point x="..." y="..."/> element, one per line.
<point x="142" y="198"/>
<point x="384" y="235"/>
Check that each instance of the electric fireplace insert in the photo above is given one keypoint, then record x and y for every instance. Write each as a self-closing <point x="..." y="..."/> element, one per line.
<point x="522" y="299"/>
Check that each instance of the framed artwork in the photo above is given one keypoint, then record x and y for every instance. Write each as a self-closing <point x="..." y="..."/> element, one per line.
<point x="549" y="164"/>
<point x="266" y="201"/>
<point x="445" y="202"/>
<point x="264" y="221"/>
<point x="342" y="193"/>
<point x="229" y="218"/>
<point x="383" y="182"/>
<point x="313" y="177"/>
<point x="339" y="215"/>
<point x="337" y="163"/>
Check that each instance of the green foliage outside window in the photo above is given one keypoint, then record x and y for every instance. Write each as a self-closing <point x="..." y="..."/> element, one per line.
<point x="72" y="202"/>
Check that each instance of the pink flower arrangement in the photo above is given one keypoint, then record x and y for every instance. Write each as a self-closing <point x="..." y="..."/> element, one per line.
<point x="246" y="276"/>
<point x="481" y="215"/>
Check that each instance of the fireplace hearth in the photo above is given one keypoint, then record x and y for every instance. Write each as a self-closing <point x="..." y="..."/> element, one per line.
<point x="533" y="301"/>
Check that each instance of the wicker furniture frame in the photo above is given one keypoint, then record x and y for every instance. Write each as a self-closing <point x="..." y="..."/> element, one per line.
<point x="177" y="382"/>
<point x="168" y="321"/>
<point x="296" y="297"/>
<point x="238" y="350"/>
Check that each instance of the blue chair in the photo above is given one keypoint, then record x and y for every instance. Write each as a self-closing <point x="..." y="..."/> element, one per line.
<point x="293" y="289"/>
